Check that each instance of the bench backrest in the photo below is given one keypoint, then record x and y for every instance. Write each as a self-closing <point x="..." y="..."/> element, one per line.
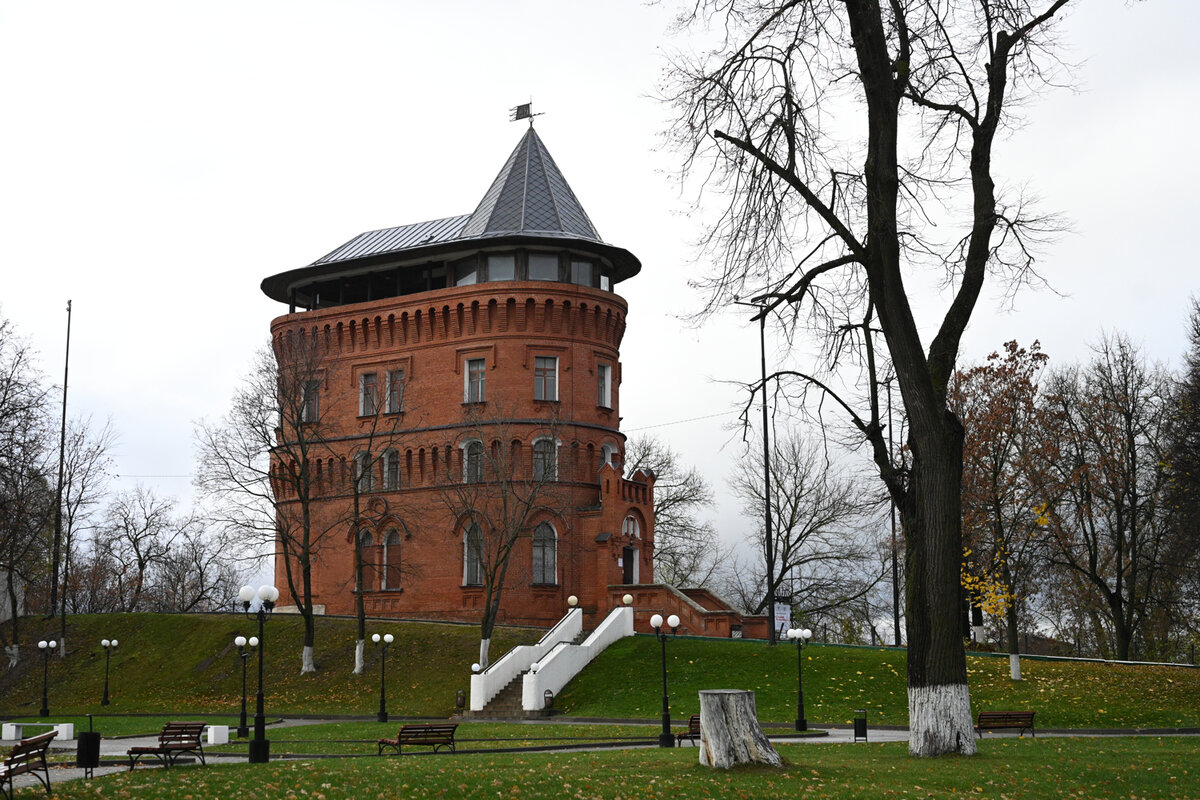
<point x="29" y="750"/>
<point x="181" y="733"/>
<point x="434" y="728"/>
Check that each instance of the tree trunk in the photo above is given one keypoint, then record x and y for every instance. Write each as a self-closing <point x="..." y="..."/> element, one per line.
<point x="730" y="733"/>
<point x="306" y="660"/>
<point x="1010" y="618"/>
<point x="13" y="651"/>
<point x="484" y="646"/>
<point x="358" y="655"/>
<point x="939" y="703"/>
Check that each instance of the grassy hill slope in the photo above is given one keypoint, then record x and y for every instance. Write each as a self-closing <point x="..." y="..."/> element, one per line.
<point x="188" y="664"/>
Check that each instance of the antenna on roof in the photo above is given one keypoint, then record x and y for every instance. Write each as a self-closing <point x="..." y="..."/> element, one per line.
<point x="523" y="111"/>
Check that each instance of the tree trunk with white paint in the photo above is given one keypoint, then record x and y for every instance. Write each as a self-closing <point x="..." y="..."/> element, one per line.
<point x="306" y="660"/>
<point x="359" y="645"/>
<point x="484" y="646"/>
<point x="13" y="651"/>
<point x="730" y="733"/>
<point x="1014" y="667"/>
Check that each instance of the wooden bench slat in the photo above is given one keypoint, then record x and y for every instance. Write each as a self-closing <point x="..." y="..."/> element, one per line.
<point x="692" y="732"/>
<point x="1004" y="720"/>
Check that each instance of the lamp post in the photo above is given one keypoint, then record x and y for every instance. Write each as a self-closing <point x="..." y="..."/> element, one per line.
<point x="47" y="648"/>
<point x="241" y="641"/>
<point x="665" y="739"/>
<point x="387" y="639"/>
<point x="260" y="748"/>
<point x="800" y="635"/>
<point x="109" y="645"/>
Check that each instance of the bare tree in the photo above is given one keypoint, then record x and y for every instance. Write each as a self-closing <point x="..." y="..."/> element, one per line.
<point x="686" y="549"/>
<point x="1108" y="480"/>
<point x="86" y="466"/>
<point x="196" y="574"/>
<point x="506" y="482"/>
<point x="845" y="138"/>
<point x="259" y="466"/>
<point x="137" y="534"/>
<point x="26" y="490"/>
<point x="821" y="559"/>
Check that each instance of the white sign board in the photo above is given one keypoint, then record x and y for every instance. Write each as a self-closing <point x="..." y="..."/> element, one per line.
<point x="783" y="617"/>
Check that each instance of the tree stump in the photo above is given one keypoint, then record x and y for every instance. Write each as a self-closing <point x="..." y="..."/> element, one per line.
<point x="730" y="733"/>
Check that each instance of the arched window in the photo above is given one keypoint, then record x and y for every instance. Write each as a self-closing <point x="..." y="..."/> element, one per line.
<point x="631" y="528"/>
<point x="363" y="477"/>
<point x="366" y="550"/>
<point x="391" y="561"/>
<point x="545" y="566"/>
<point x="391" y="470"/>
<point x="473" y="556"/>
<point x="545" y="460"/>
<point x="473" y="462"/>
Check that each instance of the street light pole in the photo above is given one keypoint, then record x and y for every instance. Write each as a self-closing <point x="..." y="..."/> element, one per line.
<point x="260" y="747"/>
<point x="243" y="729"/>
<point x="109" y="645"/>
<point x="47" y="648"/>
<point x="387" y="639"/>
<point x="800" y="635"/>
<point x="665" y="739"/>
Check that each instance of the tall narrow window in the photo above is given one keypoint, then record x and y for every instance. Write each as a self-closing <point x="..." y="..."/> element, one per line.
<point x="608" y="452"/>
<point x="395" y="391"/>
<point x="604" y="390"/>
<point x="545" y="460"/>
<point x="473" y="556"/>
<point x="363" y="479"/>
<point x="631" y="528"/>
<point x="366" y="394"/>
<point x="310" y="401"/>
<point x="390" y="563"/>
<point x="391" y="470"/>
<point x="366" y="552"/>
<point x="544" y="561"/>
<point x="581" y="273"/>
<point x="545" y="378"/>
<point x="474" y="377"/>
<point x="473" y="462"/>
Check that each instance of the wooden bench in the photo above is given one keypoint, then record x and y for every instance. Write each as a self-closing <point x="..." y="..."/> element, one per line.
<point x="26" y="758"/>
<point x="437" y="735"/>
<point x="1003" y="720"/>
<point x="175" y="739"/>
<point x="692" y="732"/>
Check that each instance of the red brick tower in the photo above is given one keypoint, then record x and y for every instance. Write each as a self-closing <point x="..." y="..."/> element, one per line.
<point x="463" y="380"/>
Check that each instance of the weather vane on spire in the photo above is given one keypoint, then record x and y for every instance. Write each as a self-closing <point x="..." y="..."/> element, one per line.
<point x="523" y="111"/>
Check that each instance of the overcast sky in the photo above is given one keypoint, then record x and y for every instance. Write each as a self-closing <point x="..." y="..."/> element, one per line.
<point x="158" y="159"/>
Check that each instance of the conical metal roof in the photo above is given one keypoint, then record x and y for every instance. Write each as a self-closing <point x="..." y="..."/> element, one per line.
<point x="530" y="196"/>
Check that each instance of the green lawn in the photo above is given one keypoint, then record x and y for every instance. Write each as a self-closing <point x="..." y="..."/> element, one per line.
<point x="1093" y="768"/>
<point x="623" y="683"/>
<point x="187" y="664"/>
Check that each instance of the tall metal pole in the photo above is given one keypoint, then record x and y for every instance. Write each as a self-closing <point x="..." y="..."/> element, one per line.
<point x="383" y="715"/>
<point x="895" y="550"/>
<point x="665" y="739"/>
<point x="801" y="720"/>
<point x="260" y="748"/>
<point x="107" y="655"/>
<point x="62" y="448"/>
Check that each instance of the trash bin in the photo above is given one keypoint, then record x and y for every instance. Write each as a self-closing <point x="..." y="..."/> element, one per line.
<point x="860" y="724"/>
<point x="87" y="755"/>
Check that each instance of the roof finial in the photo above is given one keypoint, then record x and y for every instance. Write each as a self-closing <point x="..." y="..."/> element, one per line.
<point x="523" y="111"/>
